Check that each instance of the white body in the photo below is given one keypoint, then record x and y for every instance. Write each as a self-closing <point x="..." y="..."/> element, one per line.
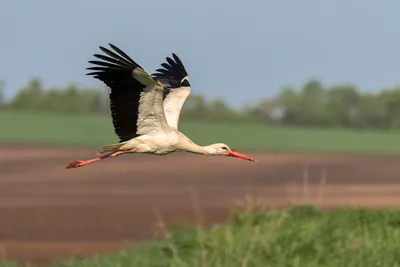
<point x="146" y="117"/>
<point x="157" y="142"/>
<point x="158" y="135"/>
<point x="158" y="111"/>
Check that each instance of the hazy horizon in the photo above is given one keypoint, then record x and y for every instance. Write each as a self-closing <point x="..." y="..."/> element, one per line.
<point x="237" y="51"/>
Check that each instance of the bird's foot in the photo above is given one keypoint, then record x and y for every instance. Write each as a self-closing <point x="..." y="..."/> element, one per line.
<point x="80" y="163"/>
<point x="76" y="164"/>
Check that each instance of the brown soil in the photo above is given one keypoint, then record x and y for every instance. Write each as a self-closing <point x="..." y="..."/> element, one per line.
<point x="49" y="213"/>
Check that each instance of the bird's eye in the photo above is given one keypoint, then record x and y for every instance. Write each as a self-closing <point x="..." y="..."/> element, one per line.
<point x="185" y="83"/>
<point x="224" y="147"/>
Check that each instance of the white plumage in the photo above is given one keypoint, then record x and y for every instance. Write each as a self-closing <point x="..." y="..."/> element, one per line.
<point x="173" y="104"/>
<point x="145" y="108"/>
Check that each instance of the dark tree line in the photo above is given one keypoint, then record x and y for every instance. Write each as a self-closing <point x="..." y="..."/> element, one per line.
<point x="314" y="104"/>
<point x="70" y="99"/>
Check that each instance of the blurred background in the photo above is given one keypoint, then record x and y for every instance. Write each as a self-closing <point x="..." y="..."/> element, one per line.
<point x="309" y="64"/>
<point x="267" y="77"/>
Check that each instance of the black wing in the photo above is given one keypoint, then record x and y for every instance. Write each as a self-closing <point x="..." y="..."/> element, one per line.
<point x="115" y="70"/>
<point x="175" y="81"/>
<point x="172" y="74"/>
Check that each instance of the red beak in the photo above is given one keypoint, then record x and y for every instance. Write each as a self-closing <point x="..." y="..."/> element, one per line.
<point x="236" y="154"/>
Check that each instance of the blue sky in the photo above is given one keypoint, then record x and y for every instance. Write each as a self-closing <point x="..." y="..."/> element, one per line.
<point x="240" y="51"/>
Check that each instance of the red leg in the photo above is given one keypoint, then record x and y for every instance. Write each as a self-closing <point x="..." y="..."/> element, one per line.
<point x="80" y="163"/>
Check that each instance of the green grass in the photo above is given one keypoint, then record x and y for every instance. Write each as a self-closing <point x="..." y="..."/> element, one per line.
<point x="298" y="236"/>
<point x="92" y="130"/>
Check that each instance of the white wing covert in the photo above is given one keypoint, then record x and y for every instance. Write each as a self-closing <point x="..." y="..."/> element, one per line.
<point x="135" y="98"/>
<point x="175" y="81"/>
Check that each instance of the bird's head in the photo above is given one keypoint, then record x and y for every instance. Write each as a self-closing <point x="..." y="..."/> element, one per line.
<point x="222" y="149"/>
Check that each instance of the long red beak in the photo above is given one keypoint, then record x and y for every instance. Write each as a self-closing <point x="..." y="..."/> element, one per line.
<point x="236" y="154"/>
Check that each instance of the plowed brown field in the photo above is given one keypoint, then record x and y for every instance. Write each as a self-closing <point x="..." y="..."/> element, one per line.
<point x="50" y="213"/>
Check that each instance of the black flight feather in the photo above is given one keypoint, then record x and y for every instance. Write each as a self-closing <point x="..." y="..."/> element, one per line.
<point x="116" y="72"/>
<point x="111" y="60"/>
<point x="171" y="75"/>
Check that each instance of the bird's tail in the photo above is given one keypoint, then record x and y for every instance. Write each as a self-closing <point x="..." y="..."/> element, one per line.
<point x="110" y="148"/>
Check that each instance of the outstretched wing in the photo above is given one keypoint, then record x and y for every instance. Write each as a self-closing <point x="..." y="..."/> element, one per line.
<point x="174" y="78"/>
<point x="136" y="98"/>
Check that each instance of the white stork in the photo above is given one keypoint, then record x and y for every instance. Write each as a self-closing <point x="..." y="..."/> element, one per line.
<point x="145" y="108"/>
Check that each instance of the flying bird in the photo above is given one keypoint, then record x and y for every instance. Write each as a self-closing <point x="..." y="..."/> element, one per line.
<point x="145" y="108"/>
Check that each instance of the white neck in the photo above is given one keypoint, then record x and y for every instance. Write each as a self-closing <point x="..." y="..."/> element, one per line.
<point x="204" y="150"/>
<point x="191" y="147"/>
